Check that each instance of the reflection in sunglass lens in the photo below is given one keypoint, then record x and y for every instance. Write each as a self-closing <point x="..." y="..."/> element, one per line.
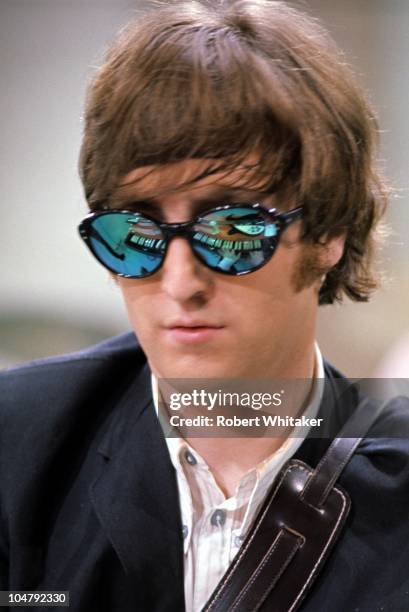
<point x="232" y="240"/>
<point x="128" y="244"/>
<point x="235" y="240"/>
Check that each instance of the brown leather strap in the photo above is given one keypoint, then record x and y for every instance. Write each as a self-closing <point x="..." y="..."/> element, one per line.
<point x="294" y="531"/>
<point x="339" y="453"/>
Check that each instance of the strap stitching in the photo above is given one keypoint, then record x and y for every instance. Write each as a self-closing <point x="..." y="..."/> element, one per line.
<point x="261" y="566"/>
<point x="295" y="463"/>
<point x="331" y="537"/>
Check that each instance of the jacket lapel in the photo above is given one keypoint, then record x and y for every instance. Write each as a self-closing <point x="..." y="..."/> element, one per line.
<point x="135" y="495"/>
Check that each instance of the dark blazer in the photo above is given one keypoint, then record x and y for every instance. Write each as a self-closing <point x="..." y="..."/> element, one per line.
<point x="89" y="502"/>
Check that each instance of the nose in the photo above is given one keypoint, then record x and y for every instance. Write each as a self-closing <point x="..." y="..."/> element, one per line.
<point x="183" y="276"/>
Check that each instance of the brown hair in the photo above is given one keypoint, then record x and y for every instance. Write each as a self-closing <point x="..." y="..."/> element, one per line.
<point x="221" y="80"/>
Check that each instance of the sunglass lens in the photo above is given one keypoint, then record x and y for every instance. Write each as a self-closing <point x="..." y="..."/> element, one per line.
<point x="235" y="240"/>
<point x="127" y="244"/>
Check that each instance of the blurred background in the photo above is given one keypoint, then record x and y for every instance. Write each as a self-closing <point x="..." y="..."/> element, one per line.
<point x="53" y="296"/>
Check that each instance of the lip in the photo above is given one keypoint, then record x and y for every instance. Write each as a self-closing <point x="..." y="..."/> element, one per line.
<point x="192" y="323"/>
<point x="193" y="334"/>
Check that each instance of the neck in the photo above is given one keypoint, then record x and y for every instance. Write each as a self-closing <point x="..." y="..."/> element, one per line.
<point x="225" y="456"/>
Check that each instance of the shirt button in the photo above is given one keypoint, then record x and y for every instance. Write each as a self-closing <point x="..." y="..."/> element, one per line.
<point x="218" y="518"/>
<point x="185" y="531"/>
<point x="190" y="458"/>
<point x="238" y="541"/>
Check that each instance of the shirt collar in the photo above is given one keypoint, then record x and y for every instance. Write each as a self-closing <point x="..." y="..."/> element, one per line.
<point x="177" y="445"/>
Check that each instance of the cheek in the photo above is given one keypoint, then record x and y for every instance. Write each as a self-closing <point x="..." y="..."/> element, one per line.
<point x="281" y="294"/>
<point x="271" y="284"/>
<point x="137" y="296"/>
<point x="253" y="306"/>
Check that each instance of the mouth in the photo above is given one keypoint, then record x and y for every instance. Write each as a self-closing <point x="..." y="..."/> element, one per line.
<point x="193" y="334"/>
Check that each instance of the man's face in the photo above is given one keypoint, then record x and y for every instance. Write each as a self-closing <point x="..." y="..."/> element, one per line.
<point x="258" y="325"/>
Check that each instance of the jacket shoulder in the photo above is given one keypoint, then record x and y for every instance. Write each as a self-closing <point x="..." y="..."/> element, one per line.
<point x="106" y="349"/>
<point x="61" y="402"/>
<point x="49" y="385"/>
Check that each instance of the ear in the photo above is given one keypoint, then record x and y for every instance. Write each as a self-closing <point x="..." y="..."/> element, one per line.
<point x="332" y="251"/>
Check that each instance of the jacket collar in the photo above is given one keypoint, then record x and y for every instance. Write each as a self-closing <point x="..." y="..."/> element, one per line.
<point x="339" y="400"/>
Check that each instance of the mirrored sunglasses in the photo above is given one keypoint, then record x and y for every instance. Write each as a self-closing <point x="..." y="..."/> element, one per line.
<point x="232" y="239"/>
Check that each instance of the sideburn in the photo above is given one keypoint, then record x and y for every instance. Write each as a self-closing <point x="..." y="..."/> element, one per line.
<point x="309" y="268"/>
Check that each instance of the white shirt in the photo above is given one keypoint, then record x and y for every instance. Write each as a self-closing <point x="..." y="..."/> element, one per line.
<point x="214" y="526"/>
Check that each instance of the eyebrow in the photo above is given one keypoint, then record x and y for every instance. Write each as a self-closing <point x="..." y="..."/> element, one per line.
<point x="224" y="195"/>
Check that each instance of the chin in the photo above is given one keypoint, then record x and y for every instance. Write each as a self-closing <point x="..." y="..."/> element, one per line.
<point x="200" y="368"/>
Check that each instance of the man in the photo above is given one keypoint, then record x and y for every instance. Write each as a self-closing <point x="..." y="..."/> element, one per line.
<point x="228" y="161"/>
